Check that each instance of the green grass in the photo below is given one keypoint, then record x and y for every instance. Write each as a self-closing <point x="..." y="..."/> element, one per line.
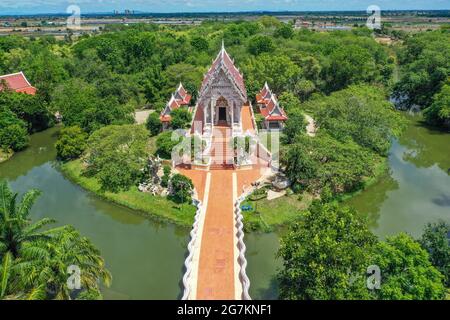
<point x="154" y="207"/>
<point x="268" y="215"/>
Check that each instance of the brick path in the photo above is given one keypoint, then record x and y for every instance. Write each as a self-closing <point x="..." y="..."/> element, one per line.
<point x="217" y="276"/>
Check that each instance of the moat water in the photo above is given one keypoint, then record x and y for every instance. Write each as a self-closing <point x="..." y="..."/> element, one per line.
<point x="146" y="257"/>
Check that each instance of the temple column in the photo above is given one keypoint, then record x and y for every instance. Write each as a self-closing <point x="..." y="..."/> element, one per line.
<point x="232" y="113"/>
<point x="213" y="105"/>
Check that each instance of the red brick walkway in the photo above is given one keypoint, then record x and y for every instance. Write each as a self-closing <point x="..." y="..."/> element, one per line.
<point x="216" y="272"/>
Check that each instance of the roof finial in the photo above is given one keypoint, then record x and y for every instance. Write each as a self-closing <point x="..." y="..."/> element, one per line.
<point x="223" y="48"/>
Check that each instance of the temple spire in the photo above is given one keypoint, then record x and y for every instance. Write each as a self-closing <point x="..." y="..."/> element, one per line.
<point x="223" y="48"/>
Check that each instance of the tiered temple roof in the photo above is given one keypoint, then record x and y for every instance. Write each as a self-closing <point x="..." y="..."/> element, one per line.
<point x="182" y="96"/>
<point x="17" y="82"/>
<point x="224" y="61"/>
<point x="268" y="105"/>
<point x="179" y="98"/>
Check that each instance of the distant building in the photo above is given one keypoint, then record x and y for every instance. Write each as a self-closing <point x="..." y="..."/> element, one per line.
<point x="16" y="82"/>
<point x="274" y="115"/>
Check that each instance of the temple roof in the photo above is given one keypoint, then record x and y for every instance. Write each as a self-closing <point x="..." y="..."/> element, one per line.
<point x="269" y="107"/>
<point x="18" y="83"/>
<point x="178" y="99"/>
<point x="182" y="96"/>
<point x="223" y="60"/>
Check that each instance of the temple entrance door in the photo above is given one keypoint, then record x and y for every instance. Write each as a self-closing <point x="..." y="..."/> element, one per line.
<point x="222" y="114"/>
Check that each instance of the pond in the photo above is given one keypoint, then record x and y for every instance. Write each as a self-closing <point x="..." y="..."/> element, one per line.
<point x="417" y="188"/>
<point x="146" y="257"/>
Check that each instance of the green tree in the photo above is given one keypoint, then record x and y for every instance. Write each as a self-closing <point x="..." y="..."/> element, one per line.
<point x="406" y="271"/>
<point x="31" y="109"/>
<point x="295" y="125"/>
<point x="34" y="259"/>
<point x="199" y="43"/>
<point x="181" y="118"/>
<point x="361" y="113"/>
<point x="435" y="240"/>
<point x="13" y="132"/>
<point x="278" y="70"/>
<point x="289" y="101"/>
<point x="165" y="144"/>
<point x="181" y="189"/>
<point x="425" y="67"/>
<point x="269" y="21"/>
<point x="71" y="143"/>
<point x="284" y="31"/>
<point x="324" y="253"/>
<point x="321" y="161"/>
<point x="350" y="64"/>
<point x="154" y="124"/>
<point x="116" y="156"/>
<point x="439" y="112"/>
<point x="259" y="44"/>
<point x="79" y="105"/>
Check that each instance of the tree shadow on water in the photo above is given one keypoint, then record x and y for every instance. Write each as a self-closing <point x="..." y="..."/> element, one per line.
<point x="442" y="201"/>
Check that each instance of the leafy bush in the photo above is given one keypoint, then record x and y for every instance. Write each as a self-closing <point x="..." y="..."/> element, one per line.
<point x="181" y="118"/>
<point x="165" y="144"/>
<point x="407" y="273"/>
<point x="166" y="177"/>
<point x="71" y="143"/>
<point x="181" y="189"/>
<point x="153" y="124"/>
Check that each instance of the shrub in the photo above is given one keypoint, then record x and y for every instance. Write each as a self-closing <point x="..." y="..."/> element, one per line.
<point x="181" y="118"/>
<point x="165" y="144"/>
<point x="181" y="189"/>
<point x="153" y="124"/>
<point x="71" y="143"/>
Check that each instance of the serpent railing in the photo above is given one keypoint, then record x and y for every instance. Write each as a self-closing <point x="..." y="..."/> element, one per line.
<point x="191" y="249"/>
<point x="242" y="248"/>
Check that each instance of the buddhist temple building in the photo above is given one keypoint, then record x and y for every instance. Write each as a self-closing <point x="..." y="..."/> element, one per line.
<point x="180" y="98"/>
<point x="274" y="115"/>
<point x="16" y="82"/>
<point x="223" y="99"/>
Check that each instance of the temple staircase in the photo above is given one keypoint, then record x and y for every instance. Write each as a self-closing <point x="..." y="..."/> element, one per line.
<point x="222" y="151"/>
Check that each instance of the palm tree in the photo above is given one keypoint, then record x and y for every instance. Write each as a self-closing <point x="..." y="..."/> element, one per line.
<point x="34" y="262"/>
<point x="70" y="249"/>
<point x="18" y="236"/>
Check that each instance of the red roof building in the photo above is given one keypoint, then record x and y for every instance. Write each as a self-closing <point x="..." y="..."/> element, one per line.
<point x="274" y="115"/>
<point x="16" y="82"/>
<point x="180" y="98"/>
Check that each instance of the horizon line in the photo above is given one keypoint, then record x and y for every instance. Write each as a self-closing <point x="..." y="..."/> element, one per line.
<point x="138" y="12"/>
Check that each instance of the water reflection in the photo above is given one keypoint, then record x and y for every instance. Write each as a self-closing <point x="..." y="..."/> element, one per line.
<point x="417" y="189"/>
<point x="426" y="146"/>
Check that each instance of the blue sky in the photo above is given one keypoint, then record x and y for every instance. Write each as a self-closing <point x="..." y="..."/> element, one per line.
<point x="58" y="6"/>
